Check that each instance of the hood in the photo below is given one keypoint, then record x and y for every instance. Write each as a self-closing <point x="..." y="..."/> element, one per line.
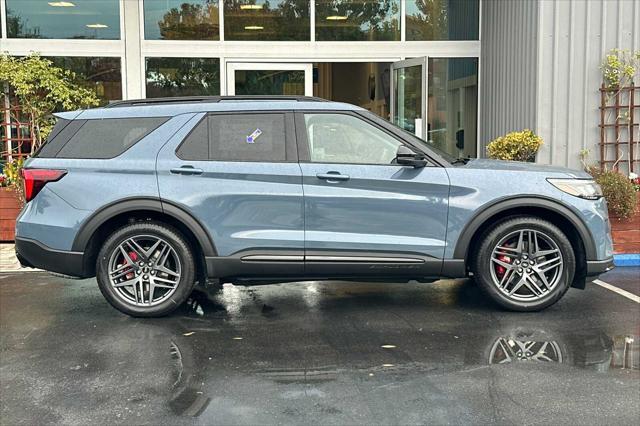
<point x="482" y="163"/>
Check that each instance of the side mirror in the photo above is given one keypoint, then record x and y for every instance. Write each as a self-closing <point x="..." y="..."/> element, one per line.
<point x="406" y="157"/>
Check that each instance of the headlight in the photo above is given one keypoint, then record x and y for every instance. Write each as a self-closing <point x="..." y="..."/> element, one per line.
<point x="583" y="188"/>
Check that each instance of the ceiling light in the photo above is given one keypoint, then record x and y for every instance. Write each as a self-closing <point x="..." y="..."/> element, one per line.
<point x="61" y="4"/>
<point x="254" y="28"/>
<point x="250" y="6"/>
<point x="336" y="18"/>
<point x="97" y="26"/>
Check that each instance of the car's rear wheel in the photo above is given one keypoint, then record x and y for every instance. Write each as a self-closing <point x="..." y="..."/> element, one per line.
<point x="146" y="269"/>
<point x="524" y="263"/>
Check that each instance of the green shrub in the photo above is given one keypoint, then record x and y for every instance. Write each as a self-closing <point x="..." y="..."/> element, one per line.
<point x="618" y="190"/>
<point x="515" y="146"/>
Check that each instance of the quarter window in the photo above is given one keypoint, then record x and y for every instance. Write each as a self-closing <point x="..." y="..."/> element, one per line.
<point x="108" y="138"/>
<point x="341" y="138"/>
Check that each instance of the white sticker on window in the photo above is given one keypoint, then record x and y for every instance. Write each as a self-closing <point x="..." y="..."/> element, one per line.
<point x="254" y="136"/>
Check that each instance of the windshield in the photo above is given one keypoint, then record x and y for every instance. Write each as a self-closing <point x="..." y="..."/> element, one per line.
<point x="416" y="140"/>
<point x="450" y="158"/>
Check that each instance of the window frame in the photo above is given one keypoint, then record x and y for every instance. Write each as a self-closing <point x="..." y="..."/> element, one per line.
<point x="291" y="151"/>
<point x="303" y="142"/>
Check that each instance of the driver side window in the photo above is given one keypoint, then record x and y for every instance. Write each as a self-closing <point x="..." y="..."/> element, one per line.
<point x="342" y="138"/>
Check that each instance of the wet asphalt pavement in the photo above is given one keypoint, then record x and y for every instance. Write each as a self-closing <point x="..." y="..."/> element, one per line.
<point x="322" y="353"/>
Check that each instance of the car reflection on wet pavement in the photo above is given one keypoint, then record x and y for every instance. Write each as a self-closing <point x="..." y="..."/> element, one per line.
<point x="328" y="353"/>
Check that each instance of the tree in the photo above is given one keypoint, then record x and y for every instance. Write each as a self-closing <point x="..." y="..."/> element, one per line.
<point x="191" y="22"/>
<point x="40" y="89"/>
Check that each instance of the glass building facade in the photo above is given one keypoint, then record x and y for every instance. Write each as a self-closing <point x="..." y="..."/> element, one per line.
<point x="347" y="50"/>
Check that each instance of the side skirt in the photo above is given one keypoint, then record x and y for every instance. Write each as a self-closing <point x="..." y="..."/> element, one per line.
<point x="281" y="266"/>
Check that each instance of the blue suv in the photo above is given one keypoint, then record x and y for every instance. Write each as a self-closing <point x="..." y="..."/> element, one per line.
<point x="154" y="195"/>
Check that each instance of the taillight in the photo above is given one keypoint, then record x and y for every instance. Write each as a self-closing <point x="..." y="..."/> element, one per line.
<point x="36" y="179"/>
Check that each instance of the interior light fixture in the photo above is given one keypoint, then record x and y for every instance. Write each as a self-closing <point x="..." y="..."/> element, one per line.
<point x="250" y="6"/>
<point x="61" y="4"/>
<point x="253" y="28"/>
<point x="336" y="18"/>
<point x="97" y="26"/>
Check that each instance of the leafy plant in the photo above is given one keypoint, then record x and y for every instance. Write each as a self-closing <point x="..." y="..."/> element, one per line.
<point x="42" y="89"/>
<point x="11" y="177"/>
<point x="515" y="146"/>
<point x="618" y="190"/>
<point x="619" y="68"/>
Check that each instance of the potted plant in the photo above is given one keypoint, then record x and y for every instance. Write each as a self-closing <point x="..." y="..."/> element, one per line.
<point x="623" y="199"/>
<point x="10" y="198"/>
<point x="515" y="146"/>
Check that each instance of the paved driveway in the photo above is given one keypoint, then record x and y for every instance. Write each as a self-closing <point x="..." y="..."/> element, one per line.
<point x="326" y="353"/>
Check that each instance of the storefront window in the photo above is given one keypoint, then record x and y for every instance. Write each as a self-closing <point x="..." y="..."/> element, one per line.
<point x="275" y="20"/>
<point x="181" y="20"/>
<point x="357" y="20"/>
<point x="182" y="77"/>
<point x="452" y="109"/>
<point x="102" y="75"/>
<point x="442" y="19"/>
<point x="80" y="19"/>
<point x="269" y="82"/>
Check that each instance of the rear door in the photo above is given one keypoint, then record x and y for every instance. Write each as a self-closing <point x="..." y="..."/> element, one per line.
<point x="237" y="173"/>
<point x="365" y="215"/>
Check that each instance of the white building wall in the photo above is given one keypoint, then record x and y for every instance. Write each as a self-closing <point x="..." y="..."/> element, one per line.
<point x="508" y="62"/>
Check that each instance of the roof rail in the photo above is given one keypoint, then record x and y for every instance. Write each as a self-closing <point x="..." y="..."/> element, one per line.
<point x="212" y="99"/>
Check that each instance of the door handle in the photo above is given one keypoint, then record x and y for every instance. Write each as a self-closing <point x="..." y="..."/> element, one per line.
<point x="332" y="177"/>
<point x="186" y="170"/>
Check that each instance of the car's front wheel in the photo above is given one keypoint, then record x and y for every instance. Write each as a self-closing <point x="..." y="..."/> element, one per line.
<point x="146" y="269"/>
<point x="524" y="263"/>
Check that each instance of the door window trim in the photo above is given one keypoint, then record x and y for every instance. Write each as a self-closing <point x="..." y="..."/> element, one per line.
<point x="291" y="151"/>
<point x="303" y="143"/>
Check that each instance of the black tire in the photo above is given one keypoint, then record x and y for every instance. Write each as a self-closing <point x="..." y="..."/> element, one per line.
<point x="481" y="262"/>
<point x="181" y="249"/>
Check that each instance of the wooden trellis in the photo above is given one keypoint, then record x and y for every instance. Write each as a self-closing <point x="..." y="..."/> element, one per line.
<point x="16" y="140"/>
<point x="620" y="128"/>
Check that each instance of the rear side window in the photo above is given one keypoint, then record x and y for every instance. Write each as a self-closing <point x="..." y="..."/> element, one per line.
<point x="108" y="138"/>
<point x="237" y="137"/>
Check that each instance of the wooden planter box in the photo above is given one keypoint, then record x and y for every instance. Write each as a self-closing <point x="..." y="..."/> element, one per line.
<point x="626" y="233"/>
<point x="10" y="206"/>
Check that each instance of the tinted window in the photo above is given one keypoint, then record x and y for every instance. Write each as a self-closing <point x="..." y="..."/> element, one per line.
<point x="85" y="19"/>
<point x="108" y="138"/>
<point x="181" y="20"/>
<point x="267" y="20"/>
<point x="357" y="20"/>
<point x="443" y="20"/>
<point x="247" y="137"/>
<point x="196" y="145"/>
<point x="59" y="136"/>
<point x="182" y="77"/>
<point x="341" y="138"/>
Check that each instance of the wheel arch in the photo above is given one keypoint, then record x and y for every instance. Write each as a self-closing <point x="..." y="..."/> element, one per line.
<point x="97" y="227"/>
<point x="549" y="209"/>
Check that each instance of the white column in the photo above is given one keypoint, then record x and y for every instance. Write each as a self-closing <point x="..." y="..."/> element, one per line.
<point x="132" y="65"/>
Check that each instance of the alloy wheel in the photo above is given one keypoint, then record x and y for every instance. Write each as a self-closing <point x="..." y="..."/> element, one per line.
<point x="526" y="265"/>
<point x="144" y="270"/>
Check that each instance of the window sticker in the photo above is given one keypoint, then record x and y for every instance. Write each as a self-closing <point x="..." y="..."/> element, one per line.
<point x="254" y="136"/>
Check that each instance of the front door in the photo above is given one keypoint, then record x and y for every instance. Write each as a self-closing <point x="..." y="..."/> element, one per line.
<point x="365" y="215"/>
<point x="408" y="95"/>
<point x="249" y="78"/>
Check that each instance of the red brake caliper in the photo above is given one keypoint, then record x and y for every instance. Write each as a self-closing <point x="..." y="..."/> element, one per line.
<point x="133" y="256"/>
<point x="500" y="270"/>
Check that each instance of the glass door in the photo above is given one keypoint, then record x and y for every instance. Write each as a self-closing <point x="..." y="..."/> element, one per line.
<point x="409" y="94"/>
<point x="258" y="78"/>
